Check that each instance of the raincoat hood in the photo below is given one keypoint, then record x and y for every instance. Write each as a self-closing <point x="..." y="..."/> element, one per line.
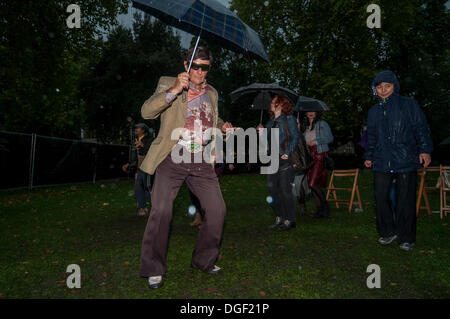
<point x="385" y="76"/>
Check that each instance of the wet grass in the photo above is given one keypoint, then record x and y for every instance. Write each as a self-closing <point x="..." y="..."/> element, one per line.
<point x="96" y="227"/>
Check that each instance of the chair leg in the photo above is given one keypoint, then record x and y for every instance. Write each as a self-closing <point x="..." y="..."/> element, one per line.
<point x="419" y="197"/>
<point x="427" y="203"/>
<point x="329" y="187"/>
<point x="352" y="197"/>
<point x="335" y="197"/>
<point x="358" y="197"/>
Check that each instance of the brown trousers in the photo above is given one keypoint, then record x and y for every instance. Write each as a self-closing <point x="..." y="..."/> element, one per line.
<point x="202" y="181"/>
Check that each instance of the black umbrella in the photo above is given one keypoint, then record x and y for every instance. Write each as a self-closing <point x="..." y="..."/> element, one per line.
<point x="210" y="20"/>
<point x="259" y="95"/>
<point x="307" y="104"/>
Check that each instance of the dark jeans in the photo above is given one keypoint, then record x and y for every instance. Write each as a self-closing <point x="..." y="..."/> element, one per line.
<point x="202" y="181"/>
<point x="280" y="187"/>
<point x="403" y="223"/>
<point x="141" y="188"/>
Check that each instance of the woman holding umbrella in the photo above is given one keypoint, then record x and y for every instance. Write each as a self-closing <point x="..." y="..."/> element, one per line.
<point x="280" y="183"/>
<point x="318" y="135"/>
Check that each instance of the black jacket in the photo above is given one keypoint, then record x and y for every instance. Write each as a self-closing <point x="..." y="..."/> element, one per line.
<point x="139" y="151"/>
<point x="397" y="131"/>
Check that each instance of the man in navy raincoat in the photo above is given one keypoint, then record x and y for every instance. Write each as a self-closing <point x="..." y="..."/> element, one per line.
<point x="398" y="143"/>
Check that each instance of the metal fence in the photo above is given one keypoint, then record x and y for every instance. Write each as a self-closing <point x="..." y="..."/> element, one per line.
<point x="31" y="160"/>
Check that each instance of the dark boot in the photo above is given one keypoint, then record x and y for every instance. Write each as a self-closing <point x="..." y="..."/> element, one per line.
<point x="303" y="210"/>
<point x="323" y="209"/>
<point x="278" y="222"/>
<point x="287" y="225"/>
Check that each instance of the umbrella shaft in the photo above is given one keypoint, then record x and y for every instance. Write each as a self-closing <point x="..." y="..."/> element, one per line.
<point x="190" y="64"/>
<point x="193" y="53"/>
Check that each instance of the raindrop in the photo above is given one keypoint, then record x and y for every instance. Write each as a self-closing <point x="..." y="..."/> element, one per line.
<point x="191" y="210"/>
<point x="130" y="193"/>
<point x="266" y="3"/>
<point x="269" y="199"/>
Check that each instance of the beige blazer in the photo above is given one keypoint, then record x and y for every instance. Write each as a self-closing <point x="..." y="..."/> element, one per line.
<point x="173" y="116"/>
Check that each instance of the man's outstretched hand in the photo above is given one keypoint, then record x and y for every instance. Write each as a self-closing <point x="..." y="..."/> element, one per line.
<point x="425" y="159"/>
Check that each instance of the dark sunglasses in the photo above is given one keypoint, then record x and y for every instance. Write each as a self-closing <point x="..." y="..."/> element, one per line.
<point x="204" y="67"/>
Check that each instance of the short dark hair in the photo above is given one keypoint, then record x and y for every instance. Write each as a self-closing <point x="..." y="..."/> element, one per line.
<point x="201" y="53"/>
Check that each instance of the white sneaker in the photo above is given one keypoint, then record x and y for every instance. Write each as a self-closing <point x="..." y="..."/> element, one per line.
<point x="155" y="282"/>
<point x="407" y="246"/>
<point x="387" y="240"/>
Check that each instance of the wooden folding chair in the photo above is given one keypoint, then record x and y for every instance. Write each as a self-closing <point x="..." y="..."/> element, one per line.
<point x="423" y="190"/>
<point x="445" y="187"/>
<point x="354" y="190"/>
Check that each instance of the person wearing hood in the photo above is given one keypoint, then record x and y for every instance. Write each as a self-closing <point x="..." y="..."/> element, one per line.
<point x="398" y="144"/>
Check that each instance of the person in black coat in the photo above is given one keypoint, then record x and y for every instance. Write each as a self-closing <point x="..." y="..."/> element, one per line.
<point x="398" y="144"/>
<point x="280" y="183"/>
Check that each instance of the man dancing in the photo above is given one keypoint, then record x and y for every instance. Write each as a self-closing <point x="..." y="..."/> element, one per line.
<point x="200" y="107"/>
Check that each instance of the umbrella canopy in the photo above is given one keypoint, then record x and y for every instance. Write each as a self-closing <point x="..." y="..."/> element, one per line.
<point x="208" y="18"/>
<point x="259" y="95"/>
<point x="307" y="104"/>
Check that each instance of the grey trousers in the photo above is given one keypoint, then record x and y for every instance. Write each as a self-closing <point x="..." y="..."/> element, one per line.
<point x="201" y="179"/>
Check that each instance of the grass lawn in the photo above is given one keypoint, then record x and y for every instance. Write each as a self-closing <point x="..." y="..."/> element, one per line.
<point x="96" y="227"/>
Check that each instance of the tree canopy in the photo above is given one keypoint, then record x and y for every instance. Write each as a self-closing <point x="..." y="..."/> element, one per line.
<point x="57" y="81"/>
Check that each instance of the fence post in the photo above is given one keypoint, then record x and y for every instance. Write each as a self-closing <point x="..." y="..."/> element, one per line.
<point x="95" y="163"/>
<point x="32" y="155"/>
<point x="130" y="149"/>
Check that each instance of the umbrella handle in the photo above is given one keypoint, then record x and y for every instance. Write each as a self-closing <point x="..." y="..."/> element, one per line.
<point x="189" y="67"/>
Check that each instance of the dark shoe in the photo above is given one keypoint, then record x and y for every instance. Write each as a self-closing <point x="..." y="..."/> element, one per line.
<point x="407" y="246"/>
<point x="215" y="270"/>
<point x="325" y="209"/>
<point x="287" y="225"/>
<point x="142" y="211"/>
<point x="277" y="223"/>
<point x="387" y="240"/>
<point x="155" y="282"/>
<point x="197" y="221"/>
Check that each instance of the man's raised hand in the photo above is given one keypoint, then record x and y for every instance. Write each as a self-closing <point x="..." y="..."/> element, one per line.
<point x="181" y="82"/>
